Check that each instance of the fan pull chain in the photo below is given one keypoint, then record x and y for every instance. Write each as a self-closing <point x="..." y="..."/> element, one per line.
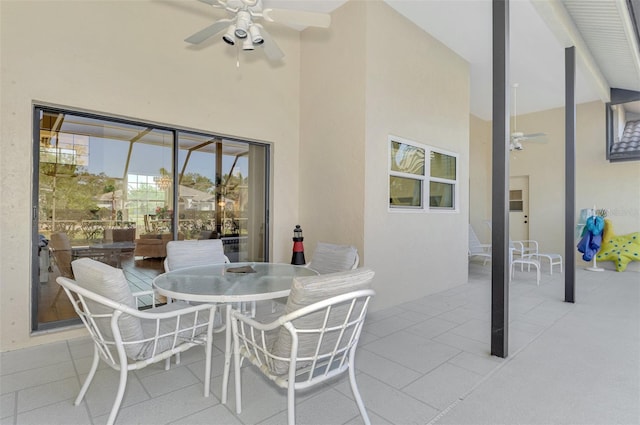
<point x="238" y="56"/>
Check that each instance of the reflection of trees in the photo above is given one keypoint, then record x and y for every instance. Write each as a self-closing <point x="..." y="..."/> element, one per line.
<point x="198" y="182"/>
<point x="72" y="189"/>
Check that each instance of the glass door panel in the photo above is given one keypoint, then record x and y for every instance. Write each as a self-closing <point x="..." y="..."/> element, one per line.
<point x="222" y="194"/>
<point x="104" y="188"/>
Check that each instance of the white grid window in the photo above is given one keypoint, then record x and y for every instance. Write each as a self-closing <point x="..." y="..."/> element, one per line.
<point x="418" y="184"/>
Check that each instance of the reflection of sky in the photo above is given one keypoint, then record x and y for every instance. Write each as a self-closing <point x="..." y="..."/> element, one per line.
<point x="109" y="157"/>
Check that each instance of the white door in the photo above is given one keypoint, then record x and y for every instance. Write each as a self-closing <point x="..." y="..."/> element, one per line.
<point x="519" y="208"/>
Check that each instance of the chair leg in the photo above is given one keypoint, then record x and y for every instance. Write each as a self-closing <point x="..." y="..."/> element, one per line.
<point x="120" y="394"/>
<point x="92" y="372"/>
<point x="207" y="357"/>
<point x="354" y="390"/>
<point x="227" y="355"/>
<point x="236" y="369"/>
<point x="291" y="403"/>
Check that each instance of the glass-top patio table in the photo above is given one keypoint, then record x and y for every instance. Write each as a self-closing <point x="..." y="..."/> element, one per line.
<point x="229" y="283"/>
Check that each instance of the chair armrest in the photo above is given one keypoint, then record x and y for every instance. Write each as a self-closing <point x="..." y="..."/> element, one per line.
<point x="527" y="247"/>
<point x="140" y="294"/>
<point x="251" y="322"/>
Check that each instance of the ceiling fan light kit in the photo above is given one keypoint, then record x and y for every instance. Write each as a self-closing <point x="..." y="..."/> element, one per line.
<point x="256" y="37"/>
<point x="243" y="26"/>
<point x="229" y="36"/>
<point x="243" y="22"/>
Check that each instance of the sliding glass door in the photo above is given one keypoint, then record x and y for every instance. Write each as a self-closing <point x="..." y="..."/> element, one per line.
<point x="118" y="191"/>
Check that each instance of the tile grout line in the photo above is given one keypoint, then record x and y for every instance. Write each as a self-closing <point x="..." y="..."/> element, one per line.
<point x="508" y="360"/>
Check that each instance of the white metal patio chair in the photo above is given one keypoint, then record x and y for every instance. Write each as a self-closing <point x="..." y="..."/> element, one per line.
<point x="526" y="260"/>
<point x="190" y="253"/>
<point x="329" y="258"/>
<point x="477" y="248"/>
<point x="529" y="249"/>
<point x="126" y="338"/>
<point x="315" y="340"/>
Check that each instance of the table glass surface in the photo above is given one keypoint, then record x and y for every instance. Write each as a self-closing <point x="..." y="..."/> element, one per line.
<point x="215" y="283"/>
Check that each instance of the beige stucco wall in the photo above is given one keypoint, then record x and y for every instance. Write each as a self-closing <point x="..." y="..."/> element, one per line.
<point x="614" y="186"/>
<point x="332" y="128"/>
<point x="359" y="85"/>
<point x="129" y="59"/>
<point x="480" y="177"/>
<point x="418" y="89"/>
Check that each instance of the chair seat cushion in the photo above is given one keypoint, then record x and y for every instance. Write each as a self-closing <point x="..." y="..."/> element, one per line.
<point x="168" y="326"/>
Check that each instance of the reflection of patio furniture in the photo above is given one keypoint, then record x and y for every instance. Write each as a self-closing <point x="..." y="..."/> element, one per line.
<point x="153" y="245"/>
<point x="119" y="235"/>
<point x="63" y="253"/>
<point x="147" y="222"/>
<point x="113" y="251"/>
<point x="127" y="339"/>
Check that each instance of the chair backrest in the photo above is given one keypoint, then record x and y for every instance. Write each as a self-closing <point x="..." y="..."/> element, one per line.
<point x="189" y="253"/>
<point x="332" y="258"/>
<point x="62" y="253"/>
<point x="475" y="246"/>
<point x="106" y="288"/>
<point x="316" y="330"/>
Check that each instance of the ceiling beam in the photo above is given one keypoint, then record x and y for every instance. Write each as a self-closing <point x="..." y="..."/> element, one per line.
<point x="559" y="21"/>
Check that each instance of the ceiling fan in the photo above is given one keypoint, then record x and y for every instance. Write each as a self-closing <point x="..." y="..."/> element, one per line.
<point x="242" y="27"/>
<point x="517" y="137"/>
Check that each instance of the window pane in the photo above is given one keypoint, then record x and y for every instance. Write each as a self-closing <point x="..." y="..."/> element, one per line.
<point x="515" y="206"/>
<point x="443" y="166"/>
<point x="407" y="159"/>
<point x="441" y="195"/>
<point x="405" y="192"/>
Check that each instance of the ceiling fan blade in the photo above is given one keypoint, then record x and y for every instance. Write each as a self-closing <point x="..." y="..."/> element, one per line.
<point x="209" y="31"/>
<point x="270" y="47"/>
<point x="533" y="135"/>
<point x="297" y="17"/>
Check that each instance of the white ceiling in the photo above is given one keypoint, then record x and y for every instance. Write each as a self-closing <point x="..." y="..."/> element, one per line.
<point x="537" y="45"/>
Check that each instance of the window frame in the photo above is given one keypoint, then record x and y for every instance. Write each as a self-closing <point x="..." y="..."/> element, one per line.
<point x="426" y="179"/>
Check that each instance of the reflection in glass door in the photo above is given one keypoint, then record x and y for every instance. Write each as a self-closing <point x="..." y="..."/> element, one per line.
<point x="107" y="189"/>
<point x="221" y="190"/>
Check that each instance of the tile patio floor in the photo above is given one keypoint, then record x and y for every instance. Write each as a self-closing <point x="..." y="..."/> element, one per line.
<point x="423" y="362"/>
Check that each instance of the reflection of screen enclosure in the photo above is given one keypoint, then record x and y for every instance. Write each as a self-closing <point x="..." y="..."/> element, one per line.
<point x="96" y="174"/>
